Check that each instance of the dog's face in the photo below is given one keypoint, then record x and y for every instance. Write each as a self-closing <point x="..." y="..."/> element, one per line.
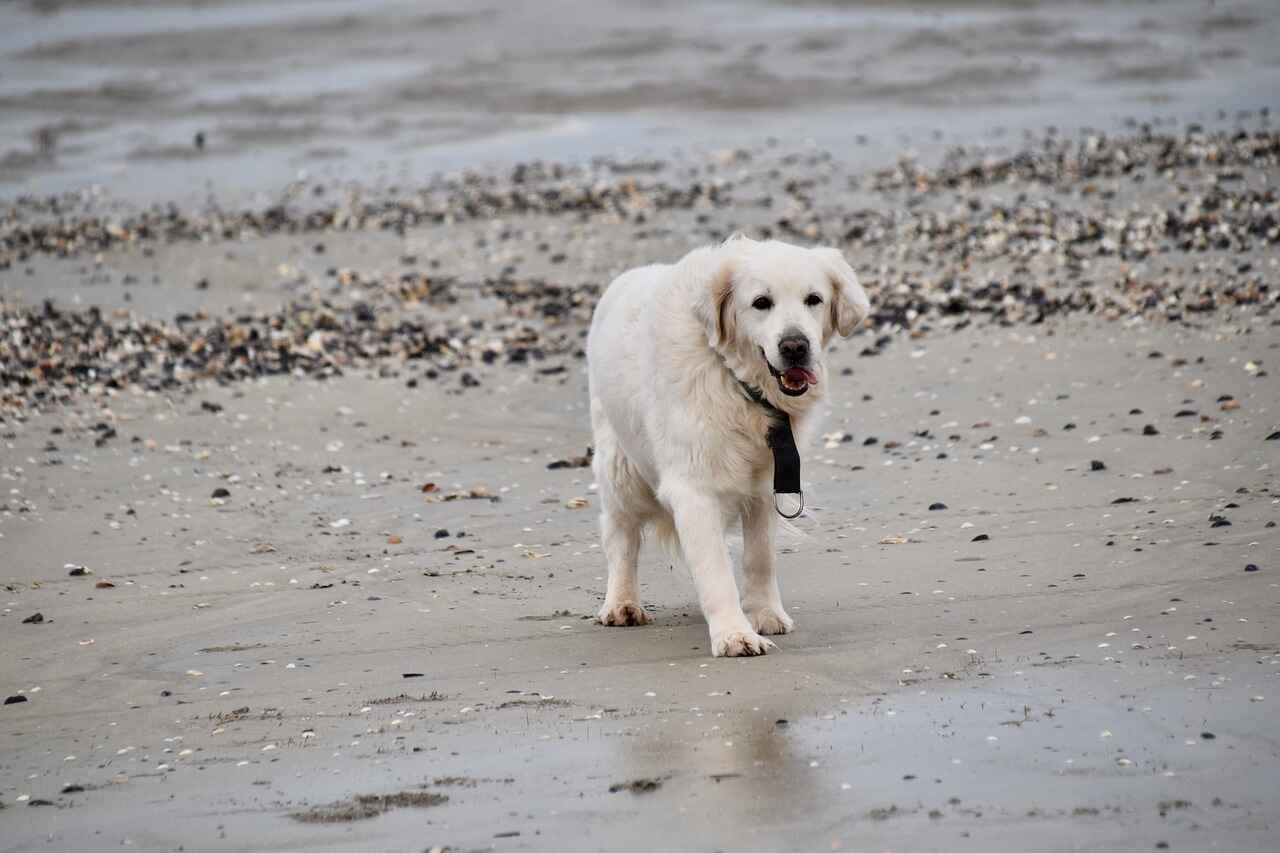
<point x="779" y="305"/>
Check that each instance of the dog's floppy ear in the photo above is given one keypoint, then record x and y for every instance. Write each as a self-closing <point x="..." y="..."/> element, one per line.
<point x="713" y="303"/>
<point x="849" y="303"/>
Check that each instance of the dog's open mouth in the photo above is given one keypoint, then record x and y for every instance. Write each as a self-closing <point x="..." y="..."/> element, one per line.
<point x="793" y="381"/>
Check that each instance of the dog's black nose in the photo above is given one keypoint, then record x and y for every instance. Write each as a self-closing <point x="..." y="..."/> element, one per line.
<point x="794" y="349"/>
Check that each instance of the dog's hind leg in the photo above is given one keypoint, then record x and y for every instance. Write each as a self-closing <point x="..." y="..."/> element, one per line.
<point x="761" y="600"/>
<point x="620" y="527"/>
<point x="621" y="540"/>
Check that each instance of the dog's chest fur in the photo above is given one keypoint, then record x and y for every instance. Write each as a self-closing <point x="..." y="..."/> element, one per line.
<point x="732" y="450"/>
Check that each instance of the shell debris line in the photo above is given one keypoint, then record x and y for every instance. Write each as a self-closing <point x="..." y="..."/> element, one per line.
<point x="974" y="240"/>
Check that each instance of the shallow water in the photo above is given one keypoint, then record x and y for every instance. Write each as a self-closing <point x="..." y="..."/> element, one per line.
<point x="114" y="93"/>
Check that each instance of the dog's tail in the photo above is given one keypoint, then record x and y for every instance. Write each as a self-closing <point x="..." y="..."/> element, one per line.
<point x="668" y="539"/>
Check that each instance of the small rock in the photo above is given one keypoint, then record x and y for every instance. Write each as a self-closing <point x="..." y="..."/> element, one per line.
<point x="1097" y="465"/>
<point x="14" y="700"/>
<point x="936" y="506"/>
<point x="1251" y="567"/>
<point x="220" y="493"/>
<point x="639" y="786"/>
<point x="572" y="462"/>
<point x="37" y="618"/>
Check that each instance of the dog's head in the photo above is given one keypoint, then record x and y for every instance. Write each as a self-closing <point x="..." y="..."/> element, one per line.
<point x="771" y="308"/>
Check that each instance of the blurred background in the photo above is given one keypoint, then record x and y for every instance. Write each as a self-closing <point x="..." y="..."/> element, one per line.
<point x="163" y="98"/>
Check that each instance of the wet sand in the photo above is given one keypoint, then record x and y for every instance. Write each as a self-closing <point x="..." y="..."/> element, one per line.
<point x="1068" y="678"/>
<point x="297" y="547"/>
<point x="346" y="605"/>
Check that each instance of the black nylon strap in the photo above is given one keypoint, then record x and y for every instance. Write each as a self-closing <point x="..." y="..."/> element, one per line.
<point x="786" y="456"/>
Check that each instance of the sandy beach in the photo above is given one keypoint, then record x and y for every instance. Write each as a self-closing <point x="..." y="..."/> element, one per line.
<point x="298" y="541"/>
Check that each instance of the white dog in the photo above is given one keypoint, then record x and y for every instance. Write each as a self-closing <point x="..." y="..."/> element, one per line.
<point x="691" y="365"/>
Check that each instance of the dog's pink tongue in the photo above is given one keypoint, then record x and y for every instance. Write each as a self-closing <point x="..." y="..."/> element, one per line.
<point x="797" y="375"/>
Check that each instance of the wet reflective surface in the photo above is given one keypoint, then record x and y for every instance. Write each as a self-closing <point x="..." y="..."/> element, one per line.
<point x="116" y="93"/>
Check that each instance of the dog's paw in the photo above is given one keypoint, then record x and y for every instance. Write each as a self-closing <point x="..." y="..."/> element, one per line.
<point x="625" y="614"/>
<point x="770" y="620"/>
<point x="737" y="644"/>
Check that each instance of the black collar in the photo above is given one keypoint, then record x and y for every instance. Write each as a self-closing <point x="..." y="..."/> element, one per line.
<point x="786" y="457"/>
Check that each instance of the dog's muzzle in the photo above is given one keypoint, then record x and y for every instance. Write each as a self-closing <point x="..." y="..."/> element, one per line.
<point x="794" y="381"/>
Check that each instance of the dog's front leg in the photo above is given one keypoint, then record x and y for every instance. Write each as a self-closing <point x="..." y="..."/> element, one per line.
<point x="699" y="522"/>
<point x="761" y="599"/>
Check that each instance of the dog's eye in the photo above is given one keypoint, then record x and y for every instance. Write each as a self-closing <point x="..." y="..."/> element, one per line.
<point x="762" y="303"/>
<point x="813" y="299"/>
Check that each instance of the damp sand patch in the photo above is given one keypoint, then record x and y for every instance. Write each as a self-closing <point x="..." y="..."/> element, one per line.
<point x="365" y="806"/>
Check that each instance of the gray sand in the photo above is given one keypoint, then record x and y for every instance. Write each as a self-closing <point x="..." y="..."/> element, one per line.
<point x="378" y="637"/>
<point x="1049" y="687"/>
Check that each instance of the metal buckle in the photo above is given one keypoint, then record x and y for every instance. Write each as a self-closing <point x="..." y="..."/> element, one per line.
<point x="778" y="509"/>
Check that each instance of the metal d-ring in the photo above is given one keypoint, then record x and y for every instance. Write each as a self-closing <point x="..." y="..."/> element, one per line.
<point x="778" y="509"/>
